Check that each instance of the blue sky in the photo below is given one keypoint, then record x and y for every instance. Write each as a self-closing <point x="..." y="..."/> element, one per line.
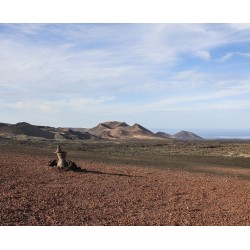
<point x="159" y="75"/>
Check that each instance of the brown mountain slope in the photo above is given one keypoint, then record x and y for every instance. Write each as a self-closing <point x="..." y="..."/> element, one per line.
<point x="121" y="130"/>
<point x="69" y="134"/>
<point x="163" y="134"/>
<point x="186" y="135"/>
<point x="105" y="130"/>
<point x="22" y="129"/>
<point x="115" y="124"/>
<point x="3" y="124"/>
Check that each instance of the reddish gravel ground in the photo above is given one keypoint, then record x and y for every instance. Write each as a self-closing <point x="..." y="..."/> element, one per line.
<point x="33" y="194"/>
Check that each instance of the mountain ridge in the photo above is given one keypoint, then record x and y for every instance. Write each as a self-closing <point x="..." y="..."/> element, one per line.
<point x="109" y="130"/>
<point x="186" y="135"/>
<point x="24" y="130"/>
<point x="121" y="130"/>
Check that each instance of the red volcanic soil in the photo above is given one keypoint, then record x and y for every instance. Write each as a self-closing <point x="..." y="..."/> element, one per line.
<point x="33" y="194"/>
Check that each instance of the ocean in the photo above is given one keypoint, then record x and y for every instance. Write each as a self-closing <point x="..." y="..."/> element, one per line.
<point x="211" y="133"/>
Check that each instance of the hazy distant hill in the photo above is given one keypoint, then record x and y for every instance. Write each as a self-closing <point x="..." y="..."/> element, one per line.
<point x="121" y="130"/>
<point x="82" y="130"/>
<point x="163" y="134"/>
<point x="23" y="129"/>
<point x="69" y="134"/>
<point x="106" y="130"/>
<point x="186" y="135"/>
<point x="3" y="124"/>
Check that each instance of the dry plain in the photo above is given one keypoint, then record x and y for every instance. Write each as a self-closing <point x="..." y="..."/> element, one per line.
<point x="126" y="183"/>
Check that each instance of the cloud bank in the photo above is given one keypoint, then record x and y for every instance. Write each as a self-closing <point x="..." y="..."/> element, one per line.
<point x="80" y="74"/>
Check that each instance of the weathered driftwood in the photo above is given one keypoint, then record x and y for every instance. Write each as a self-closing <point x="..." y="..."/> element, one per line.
<point x="62" y="163"/>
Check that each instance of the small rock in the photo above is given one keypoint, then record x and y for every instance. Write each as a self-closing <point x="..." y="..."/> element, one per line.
<point x="73" y="166"/>
<point x="52" y="163"/>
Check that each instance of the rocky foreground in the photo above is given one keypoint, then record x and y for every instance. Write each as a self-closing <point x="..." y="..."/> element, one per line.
<point x="32" y="193"/>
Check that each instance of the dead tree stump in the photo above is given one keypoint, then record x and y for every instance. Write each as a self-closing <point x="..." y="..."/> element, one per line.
<point x="62" y="163"/>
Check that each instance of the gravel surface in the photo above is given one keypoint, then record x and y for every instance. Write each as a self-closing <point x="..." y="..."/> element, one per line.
<point x="32" y="193"/>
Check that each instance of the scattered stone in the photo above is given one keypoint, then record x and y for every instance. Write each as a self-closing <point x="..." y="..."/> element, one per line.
<point x="73" y="166"/>
<point x="52" y="163"/>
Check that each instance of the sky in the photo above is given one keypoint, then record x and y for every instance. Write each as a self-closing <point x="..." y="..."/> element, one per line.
<point x="181" y="76"/>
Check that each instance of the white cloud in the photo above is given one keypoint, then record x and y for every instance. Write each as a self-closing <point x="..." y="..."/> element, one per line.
<point x="240" y="26"/>
<point x="178" y="102"/>
<point x="243" y="54"/>
<point x="113" y="68"/>
<point x="229" y="55"/>
<point x="202" y="54"/>
<point x="226" y="57"/>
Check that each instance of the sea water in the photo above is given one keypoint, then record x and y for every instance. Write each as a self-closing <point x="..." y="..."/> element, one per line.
<point x="211" y="133"/>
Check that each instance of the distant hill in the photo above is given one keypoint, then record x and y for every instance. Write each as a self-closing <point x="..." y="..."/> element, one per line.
<point x="186" y="135"/>
<point x="82" y="130"/>
<point x="3" y="124"/>
<point x="24" y="130"/>
<point x="121" y="130"/>
<point x="69" y="134"/>
<point x="163" y="134"/>
<point x="109" y="130"/>
<point x="114" y="124"/>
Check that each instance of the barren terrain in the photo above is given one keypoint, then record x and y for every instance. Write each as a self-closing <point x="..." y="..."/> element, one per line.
<point x="126" y="183"/>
